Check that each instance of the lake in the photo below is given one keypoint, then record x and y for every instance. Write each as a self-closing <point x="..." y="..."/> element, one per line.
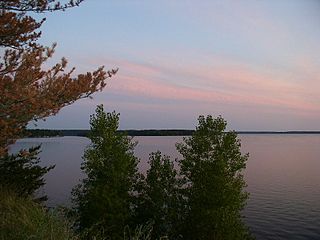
<point x="282" y="175"/>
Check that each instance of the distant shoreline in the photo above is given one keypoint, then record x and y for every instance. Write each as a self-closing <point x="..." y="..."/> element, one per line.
<point x="149" y="132"/>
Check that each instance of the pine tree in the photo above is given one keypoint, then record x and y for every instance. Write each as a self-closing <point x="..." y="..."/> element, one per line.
<point x="27" y="91"/>
<point x="21" y="173"/>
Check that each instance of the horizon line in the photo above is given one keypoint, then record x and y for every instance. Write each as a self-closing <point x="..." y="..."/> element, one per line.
<point x="191" y="130"/>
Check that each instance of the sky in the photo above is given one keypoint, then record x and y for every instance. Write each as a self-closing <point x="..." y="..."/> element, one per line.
<point x="255" y="63"/>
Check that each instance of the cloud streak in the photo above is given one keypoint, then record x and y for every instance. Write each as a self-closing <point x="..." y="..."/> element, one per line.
<point x="256" y="62"/>
<point x="231" y="84"/>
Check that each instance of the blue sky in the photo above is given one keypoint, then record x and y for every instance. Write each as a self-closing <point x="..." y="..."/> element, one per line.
<point x="256" y="63"/>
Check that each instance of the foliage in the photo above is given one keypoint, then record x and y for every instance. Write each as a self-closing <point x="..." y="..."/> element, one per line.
<point x="27" y="92"/>
<point x="214" y="186"/>
<point x="22" y="218"/>
<point x="103" y="200"/>
<point x="141" y="232"/>
<point x="21" y="173"/>
<point x="204" y="201"/>
<point x="160" y="200"/>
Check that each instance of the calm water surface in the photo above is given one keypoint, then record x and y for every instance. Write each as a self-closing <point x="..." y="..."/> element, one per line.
<point x="282" y="176"/>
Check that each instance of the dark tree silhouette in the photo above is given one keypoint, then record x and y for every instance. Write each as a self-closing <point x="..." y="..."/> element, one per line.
<point x="214" y="186"/>
<point x="103" y="201"/>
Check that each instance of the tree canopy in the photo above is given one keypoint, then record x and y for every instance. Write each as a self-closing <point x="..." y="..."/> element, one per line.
<point x="201" y="199"/>
<point x="103" y="201"/>
<point x="160" y="201"/>
<point x="211" y="168"/>
<point x="28" y="91"/>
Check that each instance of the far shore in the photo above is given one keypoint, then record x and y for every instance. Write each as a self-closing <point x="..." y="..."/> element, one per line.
<point x="147" y="132"/>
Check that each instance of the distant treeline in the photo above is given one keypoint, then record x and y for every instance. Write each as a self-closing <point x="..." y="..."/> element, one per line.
<point x="84" y="133"/>
<point x="42" y="133"/>
<point x="150" y="132"/>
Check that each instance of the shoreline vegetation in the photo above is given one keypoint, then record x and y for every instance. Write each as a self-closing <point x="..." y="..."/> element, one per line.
<point x="201" y="200"/>
<point x="24" y="218"/>
<point x="34" y="133"/>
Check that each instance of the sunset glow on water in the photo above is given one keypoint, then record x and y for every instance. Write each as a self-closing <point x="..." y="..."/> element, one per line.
<point x="282" y="177"/>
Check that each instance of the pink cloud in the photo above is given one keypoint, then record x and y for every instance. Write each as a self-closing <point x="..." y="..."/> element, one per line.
<point x="145" y="87"/>
<point x="216" y="81"/>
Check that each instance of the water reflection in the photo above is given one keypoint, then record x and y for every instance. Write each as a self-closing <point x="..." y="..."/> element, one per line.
<point x="282" y="177"/>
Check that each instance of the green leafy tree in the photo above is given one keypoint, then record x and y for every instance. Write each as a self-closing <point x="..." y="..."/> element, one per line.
<point x="22" y="174"/>
<point x="214" y="186"/>
<point x="160" y="199"/>
<point x="104" y="199"/>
